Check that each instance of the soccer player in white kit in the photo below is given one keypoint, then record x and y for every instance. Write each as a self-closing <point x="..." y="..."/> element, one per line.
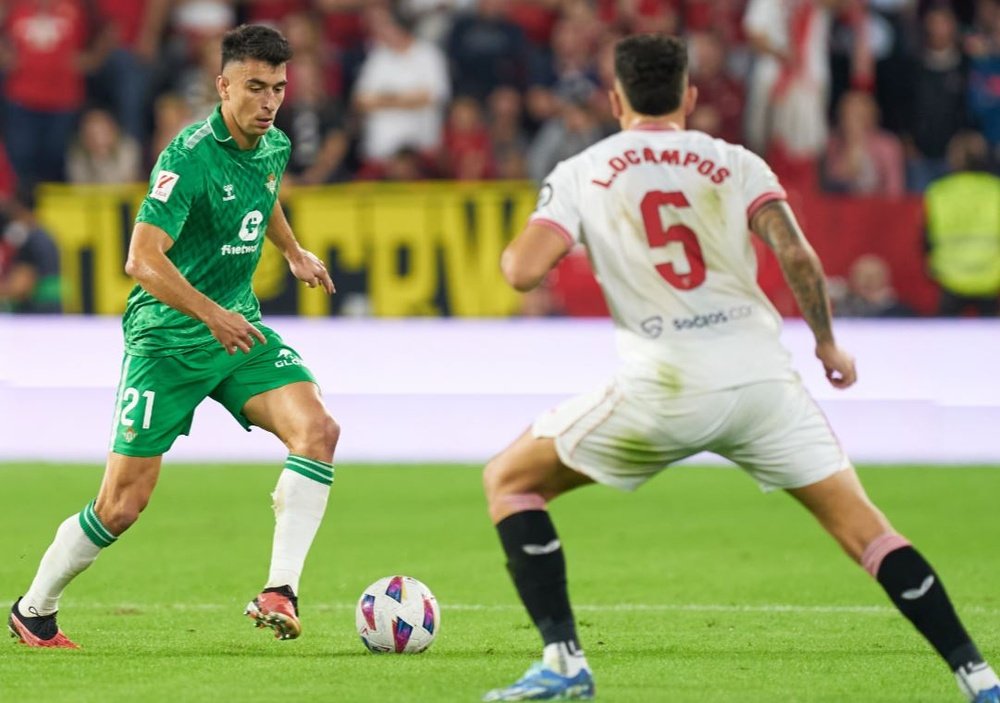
<point x="664" y="214"/>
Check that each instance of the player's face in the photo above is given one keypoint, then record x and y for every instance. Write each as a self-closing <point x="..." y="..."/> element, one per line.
<point x="251" y="93"/>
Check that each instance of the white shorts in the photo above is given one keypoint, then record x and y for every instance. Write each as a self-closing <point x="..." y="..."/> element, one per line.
<point x="774" y="430"/>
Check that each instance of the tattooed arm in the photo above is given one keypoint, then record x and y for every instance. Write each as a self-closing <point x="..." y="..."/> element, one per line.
<point x="776" y="225"/>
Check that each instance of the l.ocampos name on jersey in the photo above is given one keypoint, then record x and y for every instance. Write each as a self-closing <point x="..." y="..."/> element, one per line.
<point x="669" y="157"/>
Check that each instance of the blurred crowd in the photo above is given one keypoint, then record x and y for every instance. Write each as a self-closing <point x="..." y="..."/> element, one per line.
<point x="854" y="96"/>
<point x="861" y="97"/>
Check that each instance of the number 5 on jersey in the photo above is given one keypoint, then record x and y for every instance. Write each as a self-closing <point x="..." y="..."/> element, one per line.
<point x="130" y="398"/>
<point x="678" y="244"/>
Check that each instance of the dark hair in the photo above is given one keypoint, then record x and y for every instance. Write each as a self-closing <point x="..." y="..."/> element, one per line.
<point x="651" y="69"/>
<point x="255" y="41"/>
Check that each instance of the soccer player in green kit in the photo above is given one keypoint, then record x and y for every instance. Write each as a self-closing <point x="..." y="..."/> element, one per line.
<point x="192" y="330"/>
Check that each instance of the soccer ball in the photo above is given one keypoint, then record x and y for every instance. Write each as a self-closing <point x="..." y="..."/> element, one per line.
<point x="397" y="614"/>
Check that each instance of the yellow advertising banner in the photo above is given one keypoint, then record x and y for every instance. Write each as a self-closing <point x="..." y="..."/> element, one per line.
<point x="398" y="249"/>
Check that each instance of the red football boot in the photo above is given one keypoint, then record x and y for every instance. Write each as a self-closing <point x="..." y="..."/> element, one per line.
<point x="277" y="608"/>
<point x="37" y="631"/>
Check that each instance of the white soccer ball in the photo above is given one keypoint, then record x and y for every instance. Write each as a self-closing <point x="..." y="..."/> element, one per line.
<point x="397" y="614"/>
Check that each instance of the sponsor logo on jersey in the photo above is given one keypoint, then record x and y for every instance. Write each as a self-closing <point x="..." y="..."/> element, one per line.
<point x="250" y="226"/>
<point x="249" y="232"/>
<point x="230" y="250"/>
<point x="720" y="317"/>
<point x="286" y="357"/>
<point x="272" y="183"/>
<point x="652" y="326"/>
<point x="228" y="190"/>
<point x="163" y="185"/>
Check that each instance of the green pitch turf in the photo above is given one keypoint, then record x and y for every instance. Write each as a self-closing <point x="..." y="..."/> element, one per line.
<point x="697" y="588"/>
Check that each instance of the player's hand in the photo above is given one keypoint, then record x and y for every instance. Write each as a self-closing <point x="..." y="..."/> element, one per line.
<point x="838" y="364"/>
<point x="308" y="268"/>
<point x="233" y="331"/>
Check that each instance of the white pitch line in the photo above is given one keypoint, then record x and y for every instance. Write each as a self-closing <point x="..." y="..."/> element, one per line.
<point x="589" y="607"/>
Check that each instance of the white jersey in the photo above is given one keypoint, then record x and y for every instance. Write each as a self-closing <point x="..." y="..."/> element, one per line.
<point x="663" y="214"/>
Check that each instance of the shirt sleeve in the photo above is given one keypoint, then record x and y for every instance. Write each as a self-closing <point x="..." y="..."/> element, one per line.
<point x="173" y="185"/>
<point x="558" y="204"/>
<point x="759" y="185"/>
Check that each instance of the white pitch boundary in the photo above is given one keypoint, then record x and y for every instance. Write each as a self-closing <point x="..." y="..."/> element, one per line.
<point x="589" y="608"/>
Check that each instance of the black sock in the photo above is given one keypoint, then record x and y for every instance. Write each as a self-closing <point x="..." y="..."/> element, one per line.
<point x="536" y="563"/>
<point x="919" y="594"/>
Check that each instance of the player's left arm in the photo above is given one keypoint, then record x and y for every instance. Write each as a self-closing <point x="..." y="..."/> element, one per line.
<point x="776" y="225"/>
<point x="305" y="265"/>
<point x="528" y="259"/>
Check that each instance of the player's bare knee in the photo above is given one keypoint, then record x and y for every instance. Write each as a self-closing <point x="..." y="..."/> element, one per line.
<point x="494" y="477"/>
<point x="328" y="434"/>
<point x="503" y="482"/>
<point x="316" y="437"/>
<point x="119" y="515"/>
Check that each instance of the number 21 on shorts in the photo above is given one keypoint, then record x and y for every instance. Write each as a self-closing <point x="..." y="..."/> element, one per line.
<point x="130" y="398"/>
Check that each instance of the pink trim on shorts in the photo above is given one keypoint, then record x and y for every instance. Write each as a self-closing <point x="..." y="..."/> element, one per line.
<point x="520" y="502"/>
<point x="762" y="200"/>
<point x="555" y="227"/>
<point x="879" y="548"/>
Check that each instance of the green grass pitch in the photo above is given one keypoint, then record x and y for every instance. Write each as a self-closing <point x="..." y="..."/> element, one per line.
<point x="697" y="588"/>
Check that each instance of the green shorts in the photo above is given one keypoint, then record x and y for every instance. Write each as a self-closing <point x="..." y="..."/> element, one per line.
<point x="157" y="395"/>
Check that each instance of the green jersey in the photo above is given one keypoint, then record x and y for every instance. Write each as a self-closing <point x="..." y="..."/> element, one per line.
<point x="214" y="199"/>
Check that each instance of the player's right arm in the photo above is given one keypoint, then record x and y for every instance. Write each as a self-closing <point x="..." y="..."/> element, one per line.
<point x="553" y="229"/>
<point x="776" y="225"/>
<point x="528" y="259"/>
<point x="148" y="264"/>
<point x="176" y="182"/>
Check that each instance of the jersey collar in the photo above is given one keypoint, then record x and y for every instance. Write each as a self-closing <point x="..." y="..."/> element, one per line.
<point x="649" y="127"/>
<point x="219" y="129"/>
<point x="222" y="134"/>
